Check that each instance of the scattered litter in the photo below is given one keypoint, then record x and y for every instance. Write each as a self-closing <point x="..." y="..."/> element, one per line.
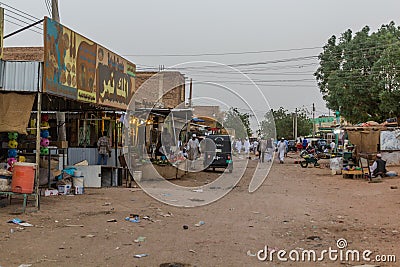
<point x="107" y="204"/>
<point x="196" y="199"/>
<point x="200" y="223"/>
<point x="256" y="212"/>
<point x="25" y="265"/>
<point x="140" y="239"/>
<point x="250" y="254"/>
<point x="20" y="222"/>
<point x="140" y="255"/>
<point x="168" y="214"/>
<point x="89" y="236"/>
<point x="215" y="187"/>
<point x="136" y="189"/>
<point x="191" y="250"/>
<point x="185" y="227"/>
<point x="393" y="187"/>
<point x="117" y="248"/>
<point x="74" y="225"/>
<point x="166" y="195"/>
<point x="314" y="237"/>
<point x="198" y="190"/>
<point x="133" y="218"/>
<point x="112" y="220"/>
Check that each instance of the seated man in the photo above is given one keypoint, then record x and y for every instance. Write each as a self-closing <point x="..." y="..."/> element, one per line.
<point x="378" y="167"/>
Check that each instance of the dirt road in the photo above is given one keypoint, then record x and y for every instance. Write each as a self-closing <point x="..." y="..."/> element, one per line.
<point x="295" y="209"/>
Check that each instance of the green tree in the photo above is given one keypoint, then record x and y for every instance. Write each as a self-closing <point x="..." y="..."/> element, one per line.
<point x="238" y="121"/>
<point x="281" y="122"/>
<point x="358" y="74"/>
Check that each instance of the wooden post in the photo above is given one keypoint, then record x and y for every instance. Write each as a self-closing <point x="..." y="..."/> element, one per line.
<point x="38" y="118"/>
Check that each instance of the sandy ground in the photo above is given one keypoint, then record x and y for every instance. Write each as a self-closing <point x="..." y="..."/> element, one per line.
<point x="295" y="209"/>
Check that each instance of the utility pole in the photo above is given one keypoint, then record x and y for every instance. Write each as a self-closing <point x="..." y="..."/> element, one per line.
<point x="313" y="118"/>
<point x="54" y="11"/>
<point x="190" y="92"/>
<point x="295" y="125"/>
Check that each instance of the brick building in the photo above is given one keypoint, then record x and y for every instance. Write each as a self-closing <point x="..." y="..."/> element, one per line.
<point x="164" y="89"/>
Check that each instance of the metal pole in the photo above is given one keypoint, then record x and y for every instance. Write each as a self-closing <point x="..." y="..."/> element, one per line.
<point x="295" y="125"/>
<point x="313" y="118"/>
<point x="190" y="93"/>
<point x="38" y="116"/>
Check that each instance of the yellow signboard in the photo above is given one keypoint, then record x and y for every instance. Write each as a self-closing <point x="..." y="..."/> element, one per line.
<point x="77" y="68"/>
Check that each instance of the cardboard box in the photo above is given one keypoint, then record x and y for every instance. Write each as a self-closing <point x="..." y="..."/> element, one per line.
<point x="59" y="144"/>
<point x="64" y="189"/>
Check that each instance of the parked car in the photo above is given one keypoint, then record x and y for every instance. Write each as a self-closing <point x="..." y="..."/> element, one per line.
<point x="218" y="152"/>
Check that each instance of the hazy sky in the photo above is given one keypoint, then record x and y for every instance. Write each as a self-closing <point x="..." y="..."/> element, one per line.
<point x="186" y="30"/>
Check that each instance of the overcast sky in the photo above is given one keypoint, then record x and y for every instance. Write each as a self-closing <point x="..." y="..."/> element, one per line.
<point x="145" y="31"/>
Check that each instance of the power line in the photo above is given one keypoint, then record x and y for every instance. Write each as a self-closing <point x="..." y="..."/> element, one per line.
<point x="23" y="21"/>
<point x="224" y="54"/>
<point x="19" y="11"/>
<point x="23" y="26"/>
<point x="48" y="6"/>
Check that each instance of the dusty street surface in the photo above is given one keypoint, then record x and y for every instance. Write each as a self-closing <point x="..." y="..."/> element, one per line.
<point x="295" y="209"/>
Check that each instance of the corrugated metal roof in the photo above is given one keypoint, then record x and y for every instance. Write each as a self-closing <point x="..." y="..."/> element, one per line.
<point x="21" y="76"/>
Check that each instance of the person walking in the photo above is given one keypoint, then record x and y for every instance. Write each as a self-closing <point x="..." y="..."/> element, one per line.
<point x="263" y="149"/>
<point x="238" y="145"/>
<point x="255" y="147"/>
<point x="103" y="149"/>
<point x="281" y="146"/>
<point x="247" y="146"/>
<point x="193" y="150"/>
<point x="270" y="150"/>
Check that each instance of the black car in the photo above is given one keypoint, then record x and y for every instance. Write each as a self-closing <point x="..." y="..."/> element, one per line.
<point x="218" y="152"/>
<point x="292" y="145"/>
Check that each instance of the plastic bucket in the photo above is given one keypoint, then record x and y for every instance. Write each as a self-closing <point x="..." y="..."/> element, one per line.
<point x="137" y="176"/>
<point x="78" y="182"/>
<point x="23" y="177"/>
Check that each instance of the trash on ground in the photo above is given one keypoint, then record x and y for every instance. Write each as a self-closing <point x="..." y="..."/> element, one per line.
<point x="393" y="187"/>
<point x="20" y="222"/>
<point x="141" y="255"/>
<point x="90" y="236"/>
<point x="133" y="218"/>
<point x="250" y="254"/>
<point x="198" y="190"/>
<point x="140" y="239"/>
<point x="314" y="237"/>
<point x="200" y="223"/>
<point x="74" y="225"/>
<point x="185" y="227"/>
<point x="112" y="220"/>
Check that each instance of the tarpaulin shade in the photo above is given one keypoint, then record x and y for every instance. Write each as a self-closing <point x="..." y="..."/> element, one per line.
<point x="15" y="111"/>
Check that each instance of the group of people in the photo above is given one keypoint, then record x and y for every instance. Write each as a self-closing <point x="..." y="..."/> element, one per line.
<point x="263" y="148"/>
<point x="239" y="145"/>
